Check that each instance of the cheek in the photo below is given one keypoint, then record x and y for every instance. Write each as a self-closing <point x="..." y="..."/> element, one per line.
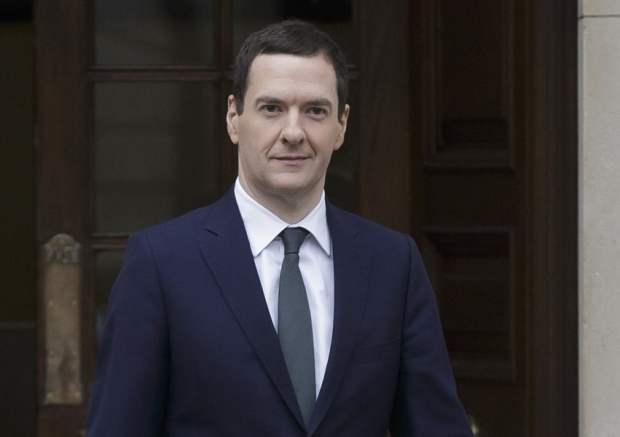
<point x="260" y="135"/>
<point x="247" y="154"/>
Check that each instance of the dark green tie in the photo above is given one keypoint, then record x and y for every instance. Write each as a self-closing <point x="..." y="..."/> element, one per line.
<point x="295" y="324"/>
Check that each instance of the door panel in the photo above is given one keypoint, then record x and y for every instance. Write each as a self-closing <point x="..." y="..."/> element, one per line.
<point x="479" y="177"/>
<point x="467" y="100"/>
<point x="153" y="151"/>
<point x="155" y="32"/>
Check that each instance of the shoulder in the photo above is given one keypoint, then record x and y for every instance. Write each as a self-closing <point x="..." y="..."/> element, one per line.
<point x="187" y="230"/>
<point x="361" y="224"/>
<point x="374" y="234"/>
<point x="187" y="222"/>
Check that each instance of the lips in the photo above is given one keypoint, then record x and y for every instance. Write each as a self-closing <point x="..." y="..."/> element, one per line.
<point x="291" y="158"/>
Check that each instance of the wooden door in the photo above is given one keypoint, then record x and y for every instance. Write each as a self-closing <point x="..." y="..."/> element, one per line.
<point x="130" y="132"/>
<point x="468" y="107"/>
<point x="494" y="203"/>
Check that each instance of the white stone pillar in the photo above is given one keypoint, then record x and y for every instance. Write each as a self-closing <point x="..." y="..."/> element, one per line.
<point x="599" y="233"/>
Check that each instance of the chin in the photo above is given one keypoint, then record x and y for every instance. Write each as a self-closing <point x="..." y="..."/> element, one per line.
<point x="295" y="187"/>
<point x="289" y="189"/>
<point x="290" y="185"/>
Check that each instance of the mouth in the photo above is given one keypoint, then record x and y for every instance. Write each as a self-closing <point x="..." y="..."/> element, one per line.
<point x="291" y="159"/>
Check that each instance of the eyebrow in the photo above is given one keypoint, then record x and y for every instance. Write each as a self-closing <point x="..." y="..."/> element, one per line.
<point x="320" y="102"/>
<point x="270" y="100"/>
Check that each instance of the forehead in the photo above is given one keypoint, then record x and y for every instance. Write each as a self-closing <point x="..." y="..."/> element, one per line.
<point x="283" y="71"/>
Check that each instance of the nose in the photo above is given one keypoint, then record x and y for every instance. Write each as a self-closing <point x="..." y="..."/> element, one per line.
<point x="292" y="131"/>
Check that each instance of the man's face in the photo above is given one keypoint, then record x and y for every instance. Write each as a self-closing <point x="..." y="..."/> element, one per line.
<point x="289" y="127"/>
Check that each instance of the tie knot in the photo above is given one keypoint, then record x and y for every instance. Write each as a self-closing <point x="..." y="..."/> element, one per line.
<point x="292" y="238"/>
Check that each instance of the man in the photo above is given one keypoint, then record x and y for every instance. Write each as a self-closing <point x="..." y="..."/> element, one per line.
<point x="218" y="326"/>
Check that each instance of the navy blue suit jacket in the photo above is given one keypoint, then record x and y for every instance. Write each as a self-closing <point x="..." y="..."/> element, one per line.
<point x="189" y="348"/>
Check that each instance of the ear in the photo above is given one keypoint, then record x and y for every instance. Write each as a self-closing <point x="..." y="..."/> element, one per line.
<point x="343" y="127"/>
<point x="231" y="120"/>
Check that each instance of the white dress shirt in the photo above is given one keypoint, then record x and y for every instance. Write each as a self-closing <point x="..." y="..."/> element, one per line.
<point x="315" y="263"/>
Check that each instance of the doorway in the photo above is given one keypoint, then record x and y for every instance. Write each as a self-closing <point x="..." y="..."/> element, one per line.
<point x="457" y="136"/>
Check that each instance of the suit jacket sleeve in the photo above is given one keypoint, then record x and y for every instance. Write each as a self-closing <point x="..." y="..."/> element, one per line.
<point x="426" y="402"/>
<point x="130" y="383"/>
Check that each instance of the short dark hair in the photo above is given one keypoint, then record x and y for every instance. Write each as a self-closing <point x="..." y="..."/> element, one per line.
<point x="289" y="37"/>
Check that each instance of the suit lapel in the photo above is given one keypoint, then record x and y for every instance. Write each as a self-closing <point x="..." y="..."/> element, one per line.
<point x="351" y="270"/>
<point x="228" y="255"/>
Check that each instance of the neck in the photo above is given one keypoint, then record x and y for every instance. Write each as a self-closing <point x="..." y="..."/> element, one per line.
<point x="289" y="207"/>
<point x="291" y="210"/>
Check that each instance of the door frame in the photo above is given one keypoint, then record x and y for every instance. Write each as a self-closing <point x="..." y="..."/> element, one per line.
<point x="62" y="103"/>
<point x="552" y="189"/>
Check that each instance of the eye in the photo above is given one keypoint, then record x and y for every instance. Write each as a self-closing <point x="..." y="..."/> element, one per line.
<point x="317" y="112"/>
<point x="270" y="109"/>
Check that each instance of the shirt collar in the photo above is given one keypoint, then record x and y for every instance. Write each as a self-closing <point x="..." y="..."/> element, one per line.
<point x="263" y="226"/>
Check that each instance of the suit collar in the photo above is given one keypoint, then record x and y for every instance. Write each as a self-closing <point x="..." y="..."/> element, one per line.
<point x="229" y="258"/>
<point x="263" y="226"/>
